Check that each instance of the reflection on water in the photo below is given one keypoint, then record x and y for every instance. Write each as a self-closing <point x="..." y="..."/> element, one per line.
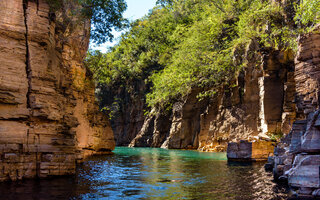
<point x="146" y="173"/>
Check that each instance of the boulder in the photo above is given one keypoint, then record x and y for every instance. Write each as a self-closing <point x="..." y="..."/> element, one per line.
<point x="305" y="171"/>
<point x="250" y="151"/>
<point x="310" y="141"/>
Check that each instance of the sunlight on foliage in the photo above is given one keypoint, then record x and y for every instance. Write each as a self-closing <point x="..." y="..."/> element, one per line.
<point x="189" y="44"/>
<point x="308" y="14"/>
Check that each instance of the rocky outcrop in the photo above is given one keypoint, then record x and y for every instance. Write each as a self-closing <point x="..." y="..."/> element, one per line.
<point x="48" y="117"/>
<point x="154" y="132"/>
<point x="297" y="156"/>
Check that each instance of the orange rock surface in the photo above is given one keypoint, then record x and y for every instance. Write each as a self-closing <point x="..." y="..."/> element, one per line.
<point x="48" y="114"/>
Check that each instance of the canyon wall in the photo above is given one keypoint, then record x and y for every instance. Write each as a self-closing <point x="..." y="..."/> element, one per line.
<point x="258" y="104"/>
<point x="48" y="116"/>
<point x="254" y="109"/>
<point x="297" y="157"/>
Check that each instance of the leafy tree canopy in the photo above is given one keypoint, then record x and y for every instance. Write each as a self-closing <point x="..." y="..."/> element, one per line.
<point x="184" y="44"/>
<point x="165" y="2"/>
<point x="104" y="14"/>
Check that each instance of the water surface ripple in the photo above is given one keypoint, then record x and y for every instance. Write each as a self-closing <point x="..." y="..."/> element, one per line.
<point x="150" y="173"/>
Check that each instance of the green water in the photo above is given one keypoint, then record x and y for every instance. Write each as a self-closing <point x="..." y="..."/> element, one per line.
<point x="149" y="173"/>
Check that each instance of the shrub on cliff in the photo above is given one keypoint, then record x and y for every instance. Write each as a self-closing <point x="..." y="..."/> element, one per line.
<point x="308" y="14"/>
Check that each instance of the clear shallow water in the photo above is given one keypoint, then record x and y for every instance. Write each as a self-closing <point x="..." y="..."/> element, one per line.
<point x="148" y="173"/>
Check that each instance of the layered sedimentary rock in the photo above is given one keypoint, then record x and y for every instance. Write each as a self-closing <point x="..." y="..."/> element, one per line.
<point x="154" y="132"/>
<point x="297" y="156"/>
<point x="261" y="104"/>
<point x="48" y="117"/>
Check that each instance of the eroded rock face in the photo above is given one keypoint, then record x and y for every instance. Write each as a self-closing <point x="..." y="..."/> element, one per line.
<point x="185" y="126"/>
<point x="154" y="132"/>
<point x="297" y="156"/>
<point x="48" y="117"/>
<point x="305" y="171"/>
<point x="262" y="103"/>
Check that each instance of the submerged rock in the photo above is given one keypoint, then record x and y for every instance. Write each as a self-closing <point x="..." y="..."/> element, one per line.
<point x="250" y="151"/>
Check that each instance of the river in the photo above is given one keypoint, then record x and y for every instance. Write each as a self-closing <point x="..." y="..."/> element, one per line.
<point x="150" y="173"/>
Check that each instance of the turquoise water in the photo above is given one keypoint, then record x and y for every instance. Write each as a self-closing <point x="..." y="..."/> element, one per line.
<point x="150" y="173"/>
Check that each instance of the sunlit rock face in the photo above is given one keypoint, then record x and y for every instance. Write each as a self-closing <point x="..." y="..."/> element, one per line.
<point x="175" y="129"/>
<point x="260" y="103"/>
<point x="48" y="117"/>
<point x="297" y="156"/>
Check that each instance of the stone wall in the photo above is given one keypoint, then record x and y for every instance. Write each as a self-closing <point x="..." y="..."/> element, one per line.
<point x="261" y="104"/>
<point x="48" y="117"/>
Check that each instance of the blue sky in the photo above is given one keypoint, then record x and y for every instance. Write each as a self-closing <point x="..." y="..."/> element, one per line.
<point x="135" y="10"/>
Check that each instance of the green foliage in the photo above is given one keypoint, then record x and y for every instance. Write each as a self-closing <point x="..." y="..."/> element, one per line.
<point x="204" y="56"/>
<point x="186" y="44"/>
<point x="112" y="109"/>
<point x="164" y="2"/>
<point x="144" y="49"/>
<point x="276" y="136"/>
<point x="96" y="63"/>
<point x="104" y="15"/>
<point x="308" y="14"/>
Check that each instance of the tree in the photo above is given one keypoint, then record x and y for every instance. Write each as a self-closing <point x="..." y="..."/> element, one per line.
<point x="165" y="2"/>
<point x="186" y="44"/>
<point x="308" y="14"/>
<point x="104" y="14"/>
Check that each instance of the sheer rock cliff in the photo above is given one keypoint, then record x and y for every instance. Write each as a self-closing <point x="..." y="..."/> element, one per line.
<point x="48" y="116"/>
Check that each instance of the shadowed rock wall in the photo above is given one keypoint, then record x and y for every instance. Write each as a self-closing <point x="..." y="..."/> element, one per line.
<point x="130" y="106"/>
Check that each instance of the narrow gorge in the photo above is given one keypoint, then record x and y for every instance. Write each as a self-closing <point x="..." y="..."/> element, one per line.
<point x="231" y="83"/>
